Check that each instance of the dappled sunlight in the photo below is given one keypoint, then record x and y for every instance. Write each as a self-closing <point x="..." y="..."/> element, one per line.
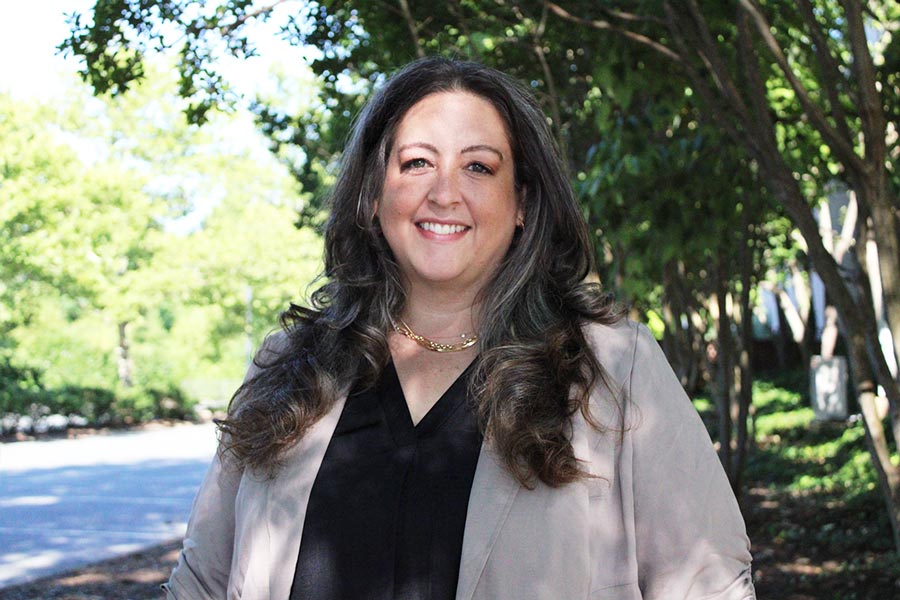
<point x="28" y="501"/>
<point x="133" y="576"/>
<point x="812" y="507"/>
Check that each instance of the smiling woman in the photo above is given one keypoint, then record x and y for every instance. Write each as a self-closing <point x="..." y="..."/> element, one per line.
<point x="449" y="205"/>
<point x="461" y="414"/>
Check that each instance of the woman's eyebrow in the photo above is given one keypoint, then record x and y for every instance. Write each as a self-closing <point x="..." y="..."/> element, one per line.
<point x="432" y="148"/>
<point x="424" y="145"/>
<point x="479" y="147"/>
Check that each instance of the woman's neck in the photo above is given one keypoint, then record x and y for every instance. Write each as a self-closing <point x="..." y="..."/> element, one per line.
<point x="440" y="317"/>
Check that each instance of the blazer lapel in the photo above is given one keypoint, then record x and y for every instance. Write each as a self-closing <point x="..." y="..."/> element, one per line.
<point x="289" y="496"/>
<point x="493" y="492"/>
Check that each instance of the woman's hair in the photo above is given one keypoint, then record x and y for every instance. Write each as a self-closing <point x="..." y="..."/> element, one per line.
<point x="534" y="369"/>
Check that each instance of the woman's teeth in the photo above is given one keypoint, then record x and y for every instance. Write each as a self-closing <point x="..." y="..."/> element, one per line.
<point x="442" y="228"/>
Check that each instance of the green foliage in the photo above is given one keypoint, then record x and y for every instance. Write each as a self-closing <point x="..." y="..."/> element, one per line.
<point x="103" y="253"/>
<point x="23" y="392"/>
<point x="20" y="387"/>
<point x="824" y="463"/>
<point x="95" y="404"/>
<point x="138" y="404"/>
<point x="37" y="185"/>
<point x="804" y="462"/>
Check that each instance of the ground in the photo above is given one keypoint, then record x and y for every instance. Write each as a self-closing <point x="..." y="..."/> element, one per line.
<point x="134" y="577"/>
<point x="799" y="568"/>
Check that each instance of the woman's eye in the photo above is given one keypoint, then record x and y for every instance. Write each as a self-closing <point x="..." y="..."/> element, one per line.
<point x="480" y="168"/>
<point x="415" y="163"/>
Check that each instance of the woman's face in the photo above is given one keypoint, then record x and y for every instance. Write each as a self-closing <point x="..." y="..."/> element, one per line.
<point x="449" y="208"/>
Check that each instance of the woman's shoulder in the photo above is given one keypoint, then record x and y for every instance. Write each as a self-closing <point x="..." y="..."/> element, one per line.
<point x="616" y="344"/>
<point x="626" y="349"/>
<point x="274" y="346"/>
<point x="275" y="343"/>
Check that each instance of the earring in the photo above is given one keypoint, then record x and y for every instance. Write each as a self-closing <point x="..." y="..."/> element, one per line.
<point x="520" y="223"/>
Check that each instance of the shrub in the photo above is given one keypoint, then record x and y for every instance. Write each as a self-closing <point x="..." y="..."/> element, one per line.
<point x="22" y="393"/>
<point x="92" y="403"/>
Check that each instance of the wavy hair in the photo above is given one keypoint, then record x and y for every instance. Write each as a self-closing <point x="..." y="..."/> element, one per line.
<point x="534" y="368"/>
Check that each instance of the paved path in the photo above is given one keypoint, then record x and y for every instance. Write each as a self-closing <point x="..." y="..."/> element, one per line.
<point x="66" y="503"/>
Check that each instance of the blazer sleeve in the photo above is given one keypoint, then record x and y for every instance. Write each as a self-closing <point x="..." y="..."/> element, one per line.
<point x="690" y="538"/>
<point x="204" y="565"/>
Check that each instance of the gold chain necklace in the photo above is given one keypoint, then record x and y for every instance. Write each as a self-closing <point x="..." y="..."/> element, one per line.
<point x="403" y="329"/>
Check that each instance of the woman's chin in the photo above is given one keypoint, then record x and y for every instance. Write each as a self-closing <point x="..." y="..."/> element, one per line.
<point x="449" y="278"/>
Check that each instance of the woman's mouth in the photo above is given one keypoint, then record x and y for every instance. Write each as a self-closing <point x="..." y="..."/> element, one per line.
<point x="441" y="228"/>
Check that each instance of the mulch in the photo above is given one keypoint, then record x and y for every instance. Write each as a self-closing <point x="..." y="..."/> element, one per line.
<point x="786" y="569"/>
<point x="133" y="577"/>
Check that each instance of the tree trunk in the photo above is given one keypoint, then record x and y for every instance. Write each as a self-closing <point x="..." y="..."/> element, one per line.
<point x="888" y="474"/>
<point x="885" y="234"/>
<point x="796" y="323"/>
<point x="123" y="356"/>
<point x="678" y="343"/>
<point x="745" y="391"/>
<point x="697" y="332"/>
<point x="725" y="369"/>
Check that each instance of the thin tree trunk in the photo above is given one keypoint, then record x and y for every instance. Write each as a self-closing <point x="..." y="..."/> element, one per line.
<point x="726" y="370"/>
<point x="678" y="343"/>
<point x="888" y="474"/>
<point x="413" y="29"/>
<point x="883" y="375"/>
<point x="123" y="356"/>
<point x="745" y="393"/>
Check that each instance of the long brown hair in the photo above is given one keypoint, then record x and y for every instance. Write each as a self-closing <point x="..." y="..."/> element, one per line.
<point x="534" y="369"/>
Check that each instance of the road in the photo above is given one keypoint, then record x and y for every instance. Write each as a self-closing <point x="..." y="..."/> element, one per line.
<point x="66" y="503"/>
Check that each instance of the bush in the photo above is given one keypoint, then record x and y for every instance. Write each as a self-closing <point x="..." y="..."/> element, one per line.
<point x="138" y="404"/>
<point x="172" y="403"/>
<point x="94" y="404"/>
<point x="23" y="394"/>
<point x="20" y="387"/>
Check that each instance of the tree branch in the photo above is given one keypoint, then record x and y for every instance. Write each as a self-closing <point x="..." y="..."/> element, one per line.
<point x="229" y="28"/>
<point x="870" y="107"/>
<point x="538" y="48"/>
<point x="763" y="127"/>
<point x="607" y="26"/>
<point x="411" y="26"/>
<point x="709" y="53"/>
<point x="843" y="148"/>
<point x="828" y="66"/>
<point x="711" y="99"/>
<point x="627" y="16"/>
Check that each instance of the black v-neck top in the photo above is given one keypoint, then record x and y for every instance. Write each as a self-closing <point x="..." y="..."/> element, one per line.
<point x="387" y="510"/>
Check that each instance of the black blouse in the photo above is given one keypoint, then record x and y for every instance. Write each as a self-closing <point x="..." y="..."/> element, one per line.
<point x="387" y="510"/>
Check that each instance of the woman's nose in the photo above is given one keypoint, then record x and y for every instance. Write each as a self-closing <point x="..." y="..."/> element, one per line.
<point x="445" y="189"/>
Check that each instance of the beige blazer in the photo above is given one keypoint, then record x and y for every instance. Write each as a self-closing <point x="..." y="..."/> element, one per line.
<point x="658" y="522"/>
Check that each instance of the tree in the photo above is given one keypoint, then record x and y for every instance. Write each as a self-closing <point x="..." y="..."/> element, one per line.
<point x="38" y="179"/>
<point x="102" y="262"/>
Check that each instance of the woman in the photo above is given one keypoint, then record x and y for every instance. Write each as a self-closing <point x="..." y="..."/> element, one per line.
<point x="460" y="414"/>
